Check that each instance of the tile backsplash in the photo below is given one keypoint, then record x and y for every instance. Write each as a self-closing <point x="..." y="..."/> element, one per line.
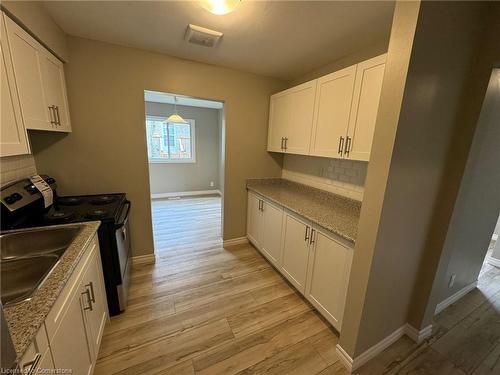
<point x="343" y="177"/>
<point x="15" y="167"/>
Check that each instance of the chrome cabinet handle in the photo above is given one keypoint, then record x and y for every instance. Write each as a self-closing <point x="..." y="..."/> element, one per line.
<point x="91" y="286"/>
<point x="306" y="235"/>
<point x="262" y="207"/>
<point x="52" y="114"/>
<point x="286" y="143"/>
<point x="347" y="145"/>
<point x="312" y="236"/>
<point x="89" y="301"/>
<point x="57" y="113"/>
<point x="282" y="139"/>
<point x="32" y="365"/>
<point x="341" y="145"/>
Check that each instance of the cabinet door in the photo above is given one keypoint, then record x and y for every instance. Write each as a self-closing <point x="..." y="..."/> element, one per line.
<point x="271" y="233"/>
<point x="13" y="136"/>
<point x="328" y="277"/>
<point x="54" y="86"/>
<point x="45" y="363"/>
<point x="70" y="346"/>
<point x="331" y="114"/>
<point x="25" y="53"/>
<point x="97" y="313"/>
<point x="280" y="111"/>
<point x="295" y="251"/>
<point x="254" y="220"/>
<point x="298" y="131"/>
<point x="367" y="89"/>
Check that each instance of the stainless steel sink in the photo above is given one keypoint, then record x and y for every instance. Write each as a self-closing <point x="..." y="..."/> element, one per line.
<point x="22" y="276"/>
<point x="29" y="256"/>
<point x="37" y="241"/>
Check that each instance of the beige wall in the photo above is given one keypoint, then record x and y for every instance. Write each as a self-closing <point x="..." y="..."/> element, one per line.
<point x="107" y="150"/>
<point x="177" y="177"/>
<point x="425" y="168"/>
<point x="33" y="16"/>
<point x="353" y="338"/>
<point x="473" y="218"/>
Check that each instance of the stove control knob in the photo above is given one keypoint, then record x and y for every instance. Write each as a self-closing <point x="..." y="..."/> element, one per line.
<point x="9" y="199"/>
<point x="17" y="197"/>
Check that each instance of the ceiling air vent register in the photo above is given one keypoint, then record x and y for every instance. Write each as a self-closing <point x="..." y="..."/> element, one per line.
<point x="202" y="36"/>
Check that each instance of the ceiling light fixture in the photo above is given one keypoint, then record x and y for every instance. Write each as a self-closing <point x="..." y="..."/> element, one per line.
<point x="175" y="117"/>
<point x="220" y="7"/>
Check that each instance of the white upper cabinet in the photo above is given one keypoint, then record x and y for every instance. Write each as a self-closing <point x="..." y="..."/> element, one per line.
<point x="298" y="135"/>
<point x="368" y="86"/>
<point x="40" y="82"/>
<point x="13" y="137"/>
<point x="279" y="118"/>
<point x="55" y="90"/>
<point x="333" y="116"/>
<point x="331" y="113"/>
<point x="290" y="119"/>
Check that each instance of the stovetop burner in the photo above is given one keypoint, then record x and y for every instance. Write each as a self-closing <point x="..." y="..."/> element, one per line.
<point x="96" y="214"/>
<point x="69" y="201"/>
<point x="60" y="216"/>
<point x="103" y="199"/>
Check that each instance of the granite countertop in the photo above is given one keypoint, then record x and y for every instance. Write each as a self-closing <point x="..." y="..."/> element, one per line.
<point x="26" y="318"/>
<point x="333" y="212"/>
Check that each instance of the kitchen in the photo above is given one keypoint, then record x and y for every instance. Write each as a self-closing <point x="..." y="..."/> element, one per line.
<point x="95" y="119"/>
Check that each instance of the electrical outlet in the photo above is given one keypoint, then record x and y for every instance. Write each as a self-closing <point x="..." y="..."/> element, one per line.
<point x="452" y="280"/>
<point x="212" y="184"/>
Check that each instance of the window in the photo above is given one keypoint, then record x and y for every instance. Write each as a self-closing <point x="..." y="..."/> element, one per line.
<point x="169" y="142"/>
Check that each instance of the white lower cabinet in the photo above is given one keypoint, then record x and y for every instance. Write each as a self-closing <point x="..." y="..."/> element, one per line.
<point x="74" y="326"/>
<point x="37" y="359"/>
<point x="329" y="266"/>
<point x="70" y="345"/>
<point x="315" y="261"/>
<point x="264" y="226"/>
<point x="254" y="219"/>
<point x="95" y="304"/>
<point x="271" y="232"/>
<point x="296" y="236"/>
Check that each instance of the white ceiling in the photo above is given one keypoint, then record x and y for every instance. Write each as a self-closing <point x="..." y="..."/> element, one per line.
<point x="283" y="39"/>
<point x="161" y="97"/>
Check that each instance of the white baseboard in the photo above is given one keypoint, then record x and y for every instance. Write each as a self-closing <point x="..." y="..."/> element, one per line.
<point x="354" y="364"/>
<point x="185" y="194"/>
<point x="144" y="259"/>
<point x="416" y="335"/>
<point x="493" y="261"/>
<point x="455" y="297"/>
<point x="235" y="241"/>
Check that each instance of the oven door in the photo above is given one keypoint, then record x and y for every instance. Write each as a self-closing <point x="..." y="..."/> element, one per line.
<point x="122" y="235"/>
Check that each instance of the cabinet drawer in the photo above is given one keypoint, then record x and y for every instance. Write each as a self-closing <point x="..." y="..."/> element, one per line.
<point x="72" y="287"/>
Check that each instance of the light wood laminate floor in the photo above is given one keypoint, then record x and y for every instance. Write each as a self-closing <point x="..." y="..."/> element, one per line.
<point x="203" y="309"/>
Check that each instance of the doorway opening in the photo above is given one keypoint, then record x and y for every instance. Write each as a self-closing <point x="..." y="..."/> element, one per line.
<point x="185" y="142"/>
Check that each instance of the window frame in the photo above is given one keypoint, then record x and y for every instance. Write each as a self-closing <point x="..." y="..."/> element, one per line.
<point x="192" y="124"/>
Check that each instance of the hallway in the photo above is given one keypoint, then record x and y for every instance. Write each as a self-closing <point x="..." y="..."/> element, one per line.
<point x="465" y="338"/>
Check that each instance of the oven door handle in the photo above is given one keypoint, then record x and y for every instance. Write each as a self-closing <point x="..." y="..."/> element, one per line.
<point x="122" y="223"/>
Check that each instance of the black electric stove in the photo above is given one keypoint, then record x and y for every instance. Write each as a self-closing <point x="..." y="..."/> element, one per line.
<point x="111" y="210"/>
